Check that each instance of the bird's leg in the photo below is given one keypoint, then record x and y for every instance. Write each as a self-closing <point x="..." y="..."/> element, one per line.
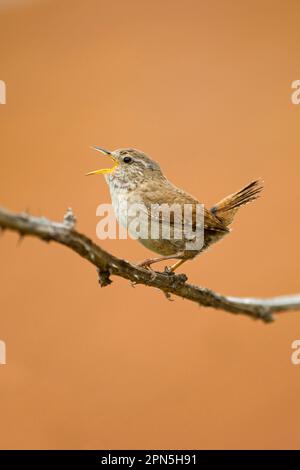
<point x="147" y="263"/>
<point x="176" y="265"/>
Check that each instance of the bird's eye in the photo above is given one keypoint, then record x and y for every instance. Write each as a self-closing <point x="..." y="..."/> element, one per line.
<point x="127" y="160"/>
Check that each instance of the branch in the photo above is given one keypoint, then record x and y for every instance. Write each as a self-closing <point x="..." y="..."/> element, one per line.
<point x="107" y="264"/>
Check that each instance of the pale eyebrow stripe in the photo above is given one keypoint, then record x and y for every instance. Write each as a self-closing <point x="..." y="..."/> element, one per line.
<point x="140" y="161"/>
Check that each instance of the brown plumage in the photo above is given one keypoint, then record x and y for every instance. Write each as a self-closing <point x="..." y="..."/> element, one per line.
<point x="226" y="209"/>
<point x="138" y="179"/>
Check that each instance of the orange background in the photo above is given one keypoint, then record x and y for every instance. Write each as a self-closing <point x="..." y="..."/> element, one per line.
<point x="204" y="88"/>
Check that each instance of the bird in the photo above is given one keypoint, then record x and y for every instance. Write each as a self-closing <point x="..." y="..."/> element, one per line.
<point x="137" y="179"/>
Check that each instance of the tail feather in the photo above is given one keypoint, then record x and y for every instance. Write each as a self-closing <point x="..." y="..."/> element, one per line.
<point x="226" y="209"/>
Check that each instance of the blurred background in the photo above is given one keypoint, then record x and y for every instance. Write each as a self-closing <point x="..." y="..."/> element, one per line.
<point x="204" y="88"/>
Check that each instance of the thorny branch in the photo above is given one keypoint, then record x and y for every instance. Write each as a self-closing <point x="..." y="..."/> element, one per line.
<point x="107" y="265"/>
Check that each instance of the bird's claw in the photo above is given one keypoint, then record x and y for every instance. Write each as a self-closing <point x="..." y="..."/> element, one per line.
<point x="168" y="270"/>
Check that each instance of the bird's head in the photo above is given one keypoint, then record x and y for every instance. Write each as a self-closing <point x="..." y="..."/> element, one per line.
<point x="129" y="165"/>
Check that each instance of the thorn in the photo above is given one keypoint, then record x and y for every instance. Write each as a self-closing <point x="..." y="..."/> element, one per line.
<point x="168" y="296"/>
<point x="182" y="278"/>
<point x="103" y="277"/>
<point x="265" y="315"/>
<point x="153" y="275"/>
<point x="70" y="219"/>
<point x="20" y="239"/>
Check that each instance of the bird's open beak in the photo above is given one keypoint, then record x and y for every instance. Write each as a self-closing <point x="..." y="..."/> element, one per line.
<point x="104" y="170"/>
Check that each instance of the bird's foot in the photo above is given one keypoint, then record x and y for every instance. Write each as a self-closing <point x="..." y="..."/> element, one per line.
<point x="148" y="262"/>
<point x="147" y="265"/>
<point x="144" y="264"/>
<point x="169" y="270"/>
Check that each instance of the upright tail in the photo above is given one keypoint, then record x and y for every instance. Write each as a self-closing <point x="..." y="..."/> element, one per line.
<point x="226" y="209"/>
